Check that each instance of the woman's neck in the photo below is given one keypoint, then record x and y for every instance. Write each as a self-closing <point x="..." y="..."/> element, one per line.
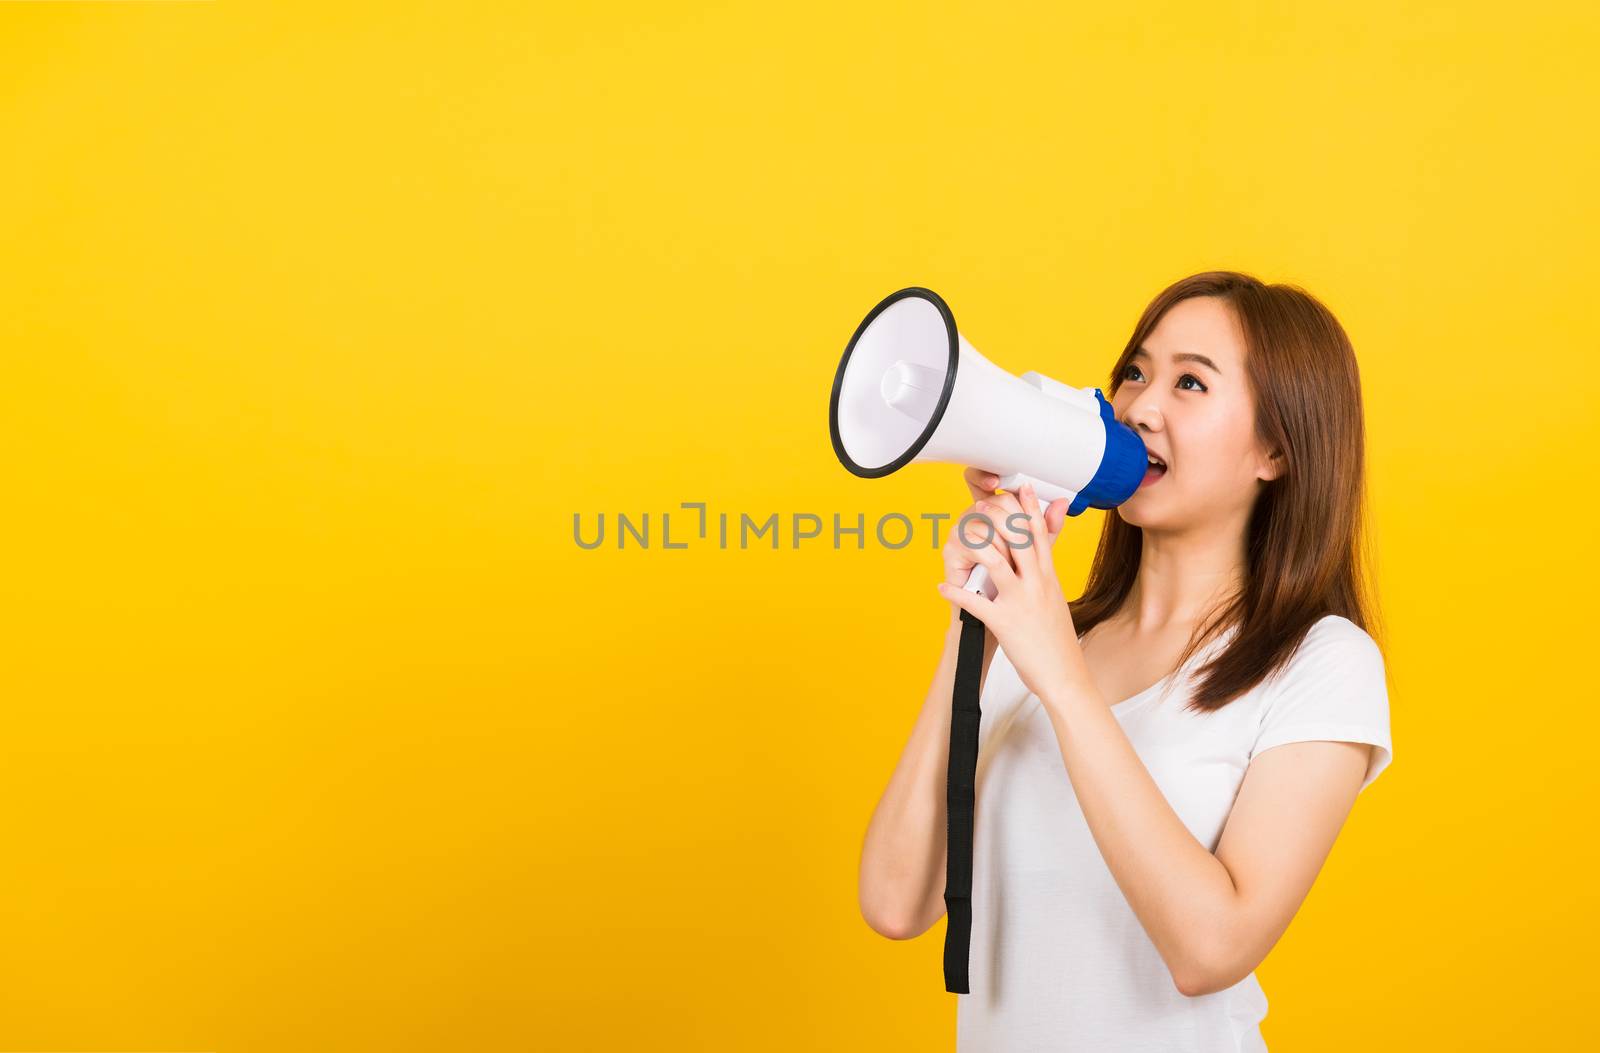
<point x="1182" y="576"/>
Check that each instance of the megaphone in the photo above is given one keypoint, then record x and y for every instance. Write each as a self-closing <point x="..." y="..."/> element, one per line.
<point x="910" y="389"/>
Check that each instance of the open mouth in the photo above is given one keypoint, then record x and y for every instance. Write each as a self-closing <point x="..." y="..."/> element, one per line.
<point x="1155" y="468"/>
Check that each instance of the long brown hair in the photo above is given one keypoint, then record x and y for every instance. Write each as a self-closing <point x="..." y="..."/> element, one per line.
<point x="1306" y="547"/>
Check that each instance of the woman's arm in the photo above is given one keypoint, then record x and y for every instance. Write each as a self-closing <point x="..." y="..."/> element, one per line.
<point x="1213" y="918"/>
<point x="901" y="882"/>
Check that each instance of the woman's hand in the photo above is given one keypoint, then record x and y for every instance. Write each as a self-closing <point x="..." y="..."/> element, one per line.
<point x="958" y="558"/>
<point x="980" y="482"/>
<point x="1029" y="615"/>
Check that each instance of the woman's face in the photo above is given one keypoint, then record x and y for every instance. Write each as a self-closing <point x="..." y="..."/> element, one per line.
<point x="1186" y="394"/>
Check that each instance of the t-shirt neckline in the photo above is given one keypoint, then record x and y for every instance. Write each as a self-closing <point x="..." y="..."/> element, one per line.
<point x="1194" y="662"/>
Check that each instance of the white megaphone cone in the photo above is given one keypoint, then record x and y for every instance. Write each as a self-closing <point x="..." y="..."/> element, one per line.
<point x="910" y="390"/>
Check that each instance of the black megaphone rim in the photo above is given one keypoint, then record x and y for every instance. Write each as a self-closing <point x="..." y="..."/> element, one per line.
<point x="944" y="395"/>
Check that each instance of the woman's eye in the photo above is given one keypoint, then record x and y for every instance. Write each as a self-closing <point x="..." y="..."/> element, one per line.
<point x="1132" y="368"/>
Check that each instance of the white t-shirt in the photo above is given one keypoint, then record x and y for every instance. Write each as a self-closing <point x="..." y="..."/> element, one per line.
<point x="1059" y="961"/>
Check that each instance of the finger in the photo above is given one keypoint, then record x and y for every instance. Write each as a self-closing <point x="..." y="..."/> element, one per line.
<point x="1010" y="519"/>
<point x="1011" y="531"/>
<point x="1005" y="499"/>
<point x="973" y="603"/>
<point x="1055" y="517"/>
<point x="993" y="552"/>
<point x="980" y="483"/>
<point x="1040" y="556"/>
<point x="978" y="526"/>
<point x="1014" y="530"/>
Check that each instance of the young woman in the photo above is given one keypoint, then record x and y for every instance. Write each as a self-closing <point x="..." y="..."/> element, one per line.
<point x="1164" y="763"/>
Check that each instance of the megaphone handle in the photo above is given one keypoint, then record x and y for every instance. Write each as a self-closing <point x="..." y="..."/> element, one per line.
<point x="978" y="581"/>
<point x="1046" y="491"/>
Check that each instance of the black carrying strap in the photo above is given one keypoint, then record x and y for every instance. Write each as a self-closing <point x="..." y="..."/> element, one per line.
<point x="961" y="799"/>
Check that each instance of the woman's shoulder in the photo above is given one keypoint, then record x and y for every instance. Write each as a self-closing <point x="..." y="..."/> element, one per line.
<point x="1333" y="687"/>
<point x="1333" y="645"/>
<point x="1335" y="632"/>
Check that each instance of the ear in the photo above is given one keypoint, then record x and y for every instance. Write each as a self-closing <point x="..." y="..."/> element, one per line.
<point x="1271" y="467"/>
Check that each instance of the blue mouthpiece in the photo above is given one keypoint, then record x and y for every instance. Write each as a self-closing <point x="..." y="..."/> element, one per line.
<point x="1122" y="465"/>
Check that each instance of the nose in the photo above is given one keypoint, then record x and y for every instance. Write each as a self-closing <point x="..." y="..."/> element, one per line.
<point x="1143" y="413"/>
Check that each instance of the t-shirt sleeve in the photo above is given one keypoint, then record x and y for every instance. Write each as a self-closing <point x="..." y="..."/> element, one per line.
<point x="1332" y="689"/>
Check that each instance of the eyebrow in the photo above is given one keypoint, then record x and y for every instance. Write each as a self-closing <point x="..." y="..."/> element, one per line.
<point x="1182" y="356"/>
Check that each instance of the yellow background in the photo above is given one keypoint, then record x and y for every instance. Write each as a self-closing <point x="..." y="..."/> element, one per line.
<point x="321" y="321"/>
